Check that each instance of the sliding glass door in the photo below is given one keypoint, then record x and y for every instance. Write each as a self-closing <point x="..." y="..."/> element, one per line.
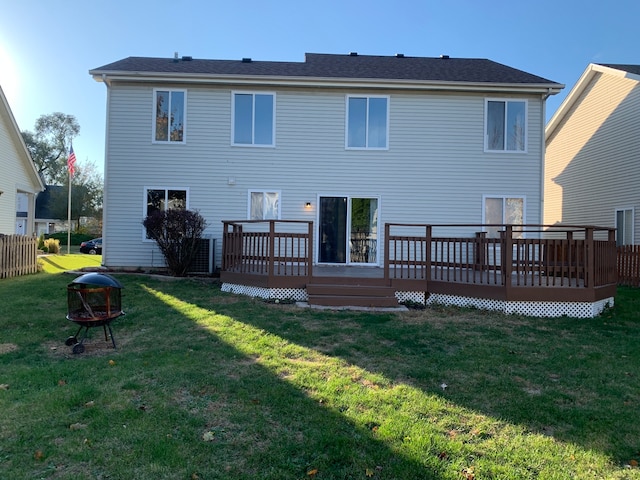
<point x="348" y="230"/>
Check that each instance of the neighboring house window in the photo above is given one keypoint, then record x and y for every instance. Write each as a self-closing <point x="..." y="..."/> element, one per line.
<point x="264" y="205"/>
<point x="169" y="116"/>
<point x="253" y="119"/>
<point x="162" y="199"/>
<point x="501" y="210"/>
<point x="506" y="125"/>
<point x="367" y="122"/>
<point x="624" y="226"/>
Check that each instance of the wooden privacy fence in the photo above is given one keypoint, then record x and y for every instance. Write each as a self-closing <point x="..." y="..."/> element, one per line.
<point x="629" y="265"/>
<point x="18" y="255"/>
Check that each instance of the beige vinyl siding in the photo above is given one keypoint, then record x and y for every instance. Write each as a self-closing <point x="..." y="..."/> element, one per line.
<point x="435" y="169"/>
<point x="593" y="159"/>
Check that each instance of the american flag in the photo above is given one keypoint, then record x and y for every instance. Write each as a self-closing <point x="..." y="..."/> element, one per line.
<point x="71" y="162"/>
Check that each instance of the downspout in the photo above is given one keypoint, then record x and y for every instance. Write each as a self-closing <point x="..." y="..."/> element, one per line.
<point x="543" y="151"/>
<point x="105" y="190"/>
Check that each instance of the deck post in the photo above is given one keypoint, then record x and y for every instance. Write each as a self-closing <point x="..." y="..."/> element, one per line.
<point x="480" y="259"/>
<point x="589" y="276"/>
<point x="310" y="253"/>
<point x="272" y="249"/>
<point x="507" y="256"/>
<point x="387" y="244"/>
<point x="225" y="265"/>
<point x="427" y="273"/>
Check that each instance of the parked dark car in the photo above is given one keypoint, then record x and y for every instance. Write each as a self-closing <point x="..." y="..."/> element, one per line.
<point x="92" y="247"/>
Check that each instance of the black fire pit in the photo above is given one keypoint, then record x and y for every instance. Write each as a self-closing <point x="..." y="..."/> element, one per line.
<point x="93" y="301"/>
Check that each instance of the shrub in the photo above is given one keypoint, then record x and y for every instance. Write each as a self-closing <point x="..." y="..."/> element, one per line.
<point x="177" y="233"/>
<point x="52" y="245"/>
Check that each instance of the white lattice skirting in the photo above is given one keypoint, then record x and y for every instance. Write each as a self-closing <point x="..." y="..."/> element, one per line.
<point x="533" y="309"/>
<point x="297" y="294"/>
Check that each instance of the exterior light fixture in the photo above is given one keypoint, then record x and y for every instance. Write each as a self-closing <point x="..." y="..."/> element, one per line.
<point x="307" y="205"/>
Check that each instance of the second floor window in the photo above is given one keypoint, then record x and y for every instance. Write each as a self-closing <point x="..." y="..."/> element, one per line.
<point x="367" y="122"/>
<point x="253" y="119"/>
<point x="169" y="112"/>
<point x="506" y="125"/>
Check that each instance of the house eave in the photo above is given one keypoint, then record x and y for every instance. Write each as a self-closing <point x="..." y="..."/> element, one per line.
<point x="325" y="82"/>
<point x="565" y="107"/>
<point x="23" y="151"/>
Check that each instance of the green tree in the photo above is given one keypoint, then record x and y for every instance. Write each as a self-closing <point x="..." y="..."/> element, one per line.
<point x="49" y="145"/>
<point x="86" y="195"/>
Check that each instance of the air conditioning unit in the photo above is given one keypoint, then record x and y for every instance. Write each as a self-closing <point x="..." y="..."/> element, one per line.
<point x="204" y="263"/>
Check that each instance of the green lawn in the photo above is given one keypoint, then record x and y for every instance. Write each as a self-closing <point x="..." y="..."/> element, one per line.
<point x="65" y="262"/>
<point x="209" y="385"/>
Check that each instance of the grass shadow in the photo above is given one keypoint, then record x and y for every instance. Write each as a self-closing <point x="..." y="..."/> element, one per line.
<point x="569" y="379"/>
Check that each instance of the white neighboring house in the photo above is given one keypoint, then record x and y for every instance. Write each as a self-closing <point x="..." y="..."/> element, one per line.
<point x="592" y="167"/>
<point x="404" y="139"/>
<point x="19" y="179"/>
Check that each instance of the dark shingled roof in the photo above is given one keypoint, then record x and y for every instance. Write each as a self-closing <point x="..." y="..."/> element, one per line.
<point x="351" y="66"/>
<point x="634" y="69"/>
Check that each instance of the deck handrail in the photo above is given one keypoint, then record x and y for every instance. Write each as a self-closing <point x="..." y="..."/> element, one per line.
<point x="267" y="250"/>
<point x="520" y="262"/>
<point x="522" y="255"/>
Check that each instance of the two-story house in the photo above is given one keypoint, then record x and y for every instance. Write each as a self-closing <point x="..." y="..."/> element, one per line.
<point x="593" y="153"/>
<point x="345" y="145"/>
<point x="405" y="139"/>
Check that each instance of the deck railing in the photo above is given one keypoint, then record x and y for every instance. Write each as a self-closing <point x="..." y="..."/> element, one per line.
<point x="275" y="248"/>
<point x="629" y="265"/>
<point x="522" y="256"/>
<point x="521" y="263"/>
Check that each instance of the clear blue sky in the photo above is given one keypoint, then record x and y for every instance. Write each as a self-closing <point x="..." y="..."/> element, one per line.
<point x="48" y="47"/>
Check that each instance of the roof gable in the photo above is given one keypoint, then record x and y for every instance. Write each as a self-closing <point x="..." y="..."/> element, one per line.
<point x="18" y="141"/>
<point x="628" y="71"/>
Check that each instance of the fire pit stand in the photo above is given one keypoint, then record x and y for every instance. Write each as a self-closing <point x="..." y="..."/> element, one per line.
<point x="94" y="300"/>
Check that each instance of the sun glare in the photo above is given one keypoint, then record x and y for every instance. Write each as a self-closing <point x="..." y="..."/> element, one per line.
<point x="8" y="74"/>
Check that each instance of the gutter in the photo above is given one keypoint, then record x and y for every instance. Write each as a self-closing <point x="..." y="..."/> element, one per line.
<point x="326" y="82"/>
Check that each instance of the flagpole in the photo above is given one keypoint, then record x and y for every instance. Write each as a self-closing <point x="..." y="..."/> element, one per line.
<point x="69" y="217"/>
<point x="71" y="160"/>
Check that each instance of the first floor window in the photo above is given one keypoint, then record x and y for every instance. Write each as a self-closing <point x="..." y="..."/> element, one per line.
<point x="367" y="122"/>
<point x="253" y="119"/>
<point x="502" y="210"/>
<point x="506" y="125"/>
<point x="264" y="205"/>
<point x="162" y="199"/>
<point x="169" y="111"/>
<point x="624" y="226"/>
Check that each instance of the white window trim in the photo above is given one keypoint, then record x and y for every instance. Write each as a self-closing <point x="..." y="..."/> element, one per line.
<point x="633" y="219"/>
<point x="346" y="122"/>
<point x="526" y="125"/>
<point x="264" y="190"/>
<point x="144" y="205"/>
<point x="153" y="117"/>
<point x="253" y="116"/>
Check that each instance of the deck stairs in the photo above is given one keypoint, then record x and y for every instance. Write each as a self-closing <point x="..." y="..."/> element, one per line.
<point x="335" y="292"/>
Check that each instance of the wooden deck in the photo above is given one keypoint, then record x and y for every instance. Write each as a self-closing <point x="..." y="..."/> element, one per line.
<point x="526" y="264"/>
